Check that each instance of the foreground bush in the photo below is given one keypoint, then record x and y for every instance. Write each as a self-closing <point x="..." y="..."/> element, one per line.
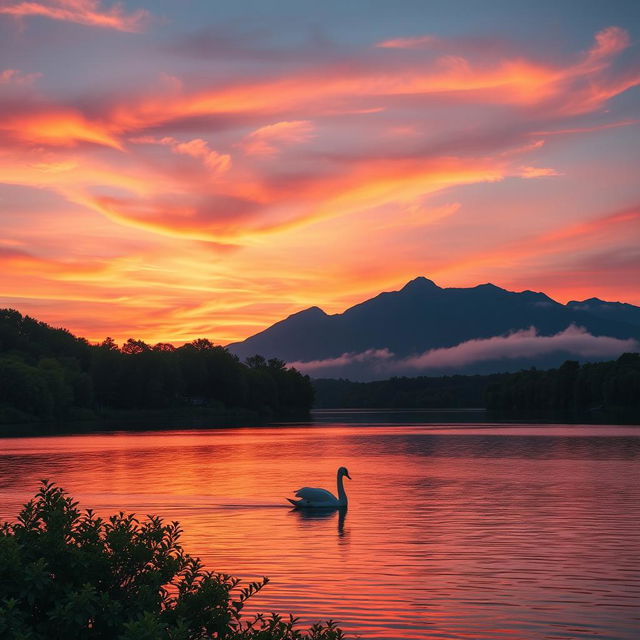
<point x="65" y="574"/>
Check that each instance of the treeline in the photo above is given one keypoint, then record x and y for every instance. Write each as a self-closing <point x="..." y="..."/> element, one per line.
<point x="572" y="388"/>
<point x="423" y="392"/>
<point x="50" y="374"/>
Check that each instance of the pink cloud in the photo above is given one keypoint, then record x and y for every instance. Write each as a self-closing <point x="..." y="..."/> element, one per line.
<point x="526" y="343"/>
<point x="371" y="196"/>
<point x="86" y="12"/>
<point x="370" y="356"/>
<point x="197" y="148"/>
<point x="17" y="77"/>
<point x="267" y="140"/>
<point x="609" y="42"/>
<point x="522" y="344"/>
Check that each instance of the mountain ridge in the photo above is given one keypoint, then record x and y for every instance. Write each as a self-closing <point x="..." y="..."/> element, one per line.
<point x="422" y="315"/>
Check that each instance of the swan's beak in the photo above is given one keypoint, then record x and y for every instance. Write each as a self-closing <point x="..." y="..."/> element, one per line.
<point x="348" y="476"/>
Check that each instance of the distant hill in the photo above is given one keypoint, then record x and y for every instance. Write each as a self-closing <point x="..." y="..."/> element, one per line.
<point x="423" y="316"/>
<point x="608" y="310"/>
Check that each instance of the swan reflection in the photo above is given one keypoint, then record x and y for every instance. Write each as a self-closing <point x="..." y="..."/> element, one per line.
<point x="322" y="514"/>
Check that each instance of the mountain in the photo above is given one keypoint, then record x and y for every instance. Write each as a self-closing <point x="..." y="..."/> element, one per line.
<point x="608" y="310"/>
<point x="423" y="316"/>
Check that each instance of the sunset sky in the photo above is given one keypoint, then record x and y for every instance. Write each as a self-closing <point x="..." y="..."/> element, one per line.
<point x="183" y="168"/>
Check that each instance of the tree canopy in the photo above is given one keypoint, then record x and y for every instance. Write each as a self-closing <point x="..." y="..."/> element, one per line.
<point x="573" y="387"/>
<point x="49" y="374"/>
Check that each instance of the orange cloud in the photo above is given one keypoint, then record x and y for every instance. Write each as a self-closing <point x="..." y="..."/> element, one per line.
<point x="217" y="208"/>
<point x="232" y="218"/>
<point x="198" y="148"/>
<point x="577" y="88"/>
<point x="267" y="140"/>
<point x="516" y="82"/>
<point x="31" y="265"/>
<point x="561" y="247"/>
<point x="592" y="229"/>
<point x="86" y="12"/>
<point x="63" y="127"/>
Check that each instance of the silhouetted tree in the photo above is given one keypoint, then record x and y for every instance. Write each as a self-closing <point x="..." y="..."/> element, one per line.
<point x="134" y="347"/>
<point x="163" y="346"/>
<point x="49" y="374"/>
<point x="256" y="362"/>
<point x="571" y="387"/>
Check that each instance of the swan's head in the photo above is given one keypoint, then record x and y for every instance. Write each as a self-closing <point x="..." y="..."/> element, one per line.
<point x="343" y="471"/>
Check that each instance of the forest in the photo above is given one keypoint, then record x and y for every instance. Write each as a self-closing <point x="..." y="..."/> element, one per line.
<point x="572" y="388"/>
<point x="48" y="374"/>
<point x="422" y="392"/>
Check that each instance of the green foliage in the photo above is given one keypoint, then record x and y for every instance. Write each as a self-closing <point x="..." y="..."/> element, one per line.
<point x="24" y="387"/>
<point x="48" y="374"/>
<point x="67" y="574"/>
<point x="570" y="388"/>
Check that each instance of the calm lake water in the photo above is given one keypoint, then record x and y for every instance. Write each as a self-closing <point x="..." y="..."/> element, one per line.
<point x="453" y="531"/>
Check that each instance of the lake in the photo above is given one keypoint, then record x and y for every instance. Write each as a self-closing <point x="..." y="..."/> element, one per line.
<point x="462" y="530"/>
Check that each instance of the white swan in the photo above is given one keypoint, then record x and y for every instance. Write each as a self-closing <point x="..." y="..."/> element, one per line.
<point x="312" y="498"/>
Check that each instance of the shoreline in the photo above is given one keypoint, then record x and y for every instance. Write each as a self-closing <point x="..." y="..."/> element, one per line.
<point x="210" y="418"/>
<point x="144" y="419"/>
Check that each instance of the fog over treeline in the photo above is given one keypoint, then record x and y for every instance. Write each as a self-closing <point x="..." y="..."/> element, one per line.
<point x="570" y="388"/>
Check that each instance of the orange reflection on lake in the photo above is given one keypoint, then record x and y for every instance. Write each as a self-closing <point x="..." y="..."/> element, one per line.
<point x="468" y="531"/>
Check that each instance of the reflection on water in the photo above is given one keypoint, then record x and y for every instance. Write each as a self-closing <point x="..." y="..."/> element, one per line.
<point x="322" y="514"/>
<point x="475" y="531"/>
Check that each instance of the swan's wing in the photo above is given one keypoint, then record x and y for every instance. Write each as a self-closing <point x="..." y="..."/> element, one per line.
<point x="315" y="495"/>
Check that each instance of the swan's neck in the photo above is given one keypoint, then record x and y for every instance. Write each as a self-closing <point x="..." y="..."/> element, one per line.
<point x="342" y="496"/>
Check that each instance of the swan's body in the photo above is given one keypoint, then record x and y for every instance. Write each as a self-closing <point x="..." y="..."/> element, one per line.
<point x="314" y="498"/>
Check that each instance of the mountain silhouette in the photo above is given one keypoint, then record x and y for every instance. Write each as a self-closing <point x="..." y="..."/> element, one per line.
<point x="423" y="316"/>
<point x="621" y="311"/>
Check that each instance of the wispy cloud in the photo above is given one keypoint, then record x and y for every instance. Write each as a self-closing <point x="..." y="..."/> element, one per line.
<point x="86" y="12"/>
<point x="523" y="344"/>
<point x="219" y="163"/>
<point x="17" y="77"/>
<point x="269" y="139"/>
<point x="375" y="357"/>
<point x="292" y="172"/>
<point x="573" y="341"/>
